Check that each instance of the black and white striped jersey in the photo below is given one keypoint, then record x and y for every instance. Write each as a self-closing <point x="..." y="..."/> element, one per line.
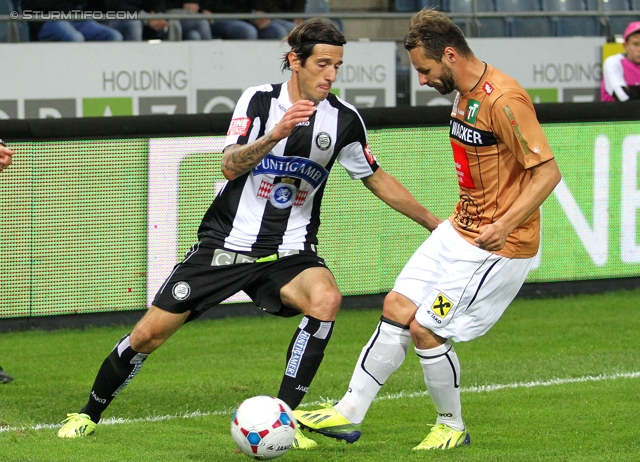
<point x="276" y="206"/>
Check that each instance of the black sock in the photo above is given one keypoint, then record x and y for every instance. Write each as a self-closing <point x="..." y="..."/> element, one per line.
<point x="116" y="372"/>
<point x="303" y="359"/>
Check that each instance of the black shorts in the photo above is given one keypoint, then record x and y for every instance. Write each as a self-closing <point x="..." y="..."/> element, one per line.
<point x="208" y="276"/>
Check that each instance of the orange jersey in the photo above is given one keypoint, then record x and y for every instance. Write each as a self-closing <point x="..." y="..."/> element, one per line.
<point x="496" y="138"/>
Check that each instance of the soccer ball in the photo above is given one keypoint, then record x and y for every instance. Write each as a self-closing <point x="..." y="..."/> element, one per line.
<point x="263" y="427"/>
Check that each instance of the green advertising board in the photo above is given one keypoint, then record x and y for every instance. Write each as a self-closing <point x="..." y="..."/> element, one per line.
<point x="73" y="232"/>
<point x="591" y="221"/>
<point x="75" y="227"/>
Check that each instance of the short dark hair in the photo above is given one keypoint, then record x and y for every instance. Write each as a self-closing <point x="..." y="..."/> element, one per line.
<point x="307" y="35"/>
<point x="433" y="31"/>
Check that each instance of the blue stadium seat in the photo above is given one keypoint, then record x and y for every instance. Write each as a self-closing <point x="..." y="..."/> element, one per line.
<point x="568" y="26"/>
<point x="616" y="24"/>
<point x="523" y="26"/>
<point x="12" y="31"/>
<point x="635" y="6"/>
<point x="608" y="5"/>
<point x="6" y="7"/>
<point x="491" y="27"/>
<point x="415" y="5"/>
<point x="484" y="27"/>
<point x="23" y="27"/>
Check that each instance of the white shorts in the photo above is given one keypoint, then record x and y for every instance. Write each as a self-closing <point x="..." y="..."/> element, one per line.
<point x="460" y="290"/>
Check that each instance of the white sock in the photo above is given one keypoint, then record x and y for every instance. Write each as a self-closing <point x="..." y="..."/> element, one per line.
<point x="442" y="375"/>
<point x="381" y="357"/>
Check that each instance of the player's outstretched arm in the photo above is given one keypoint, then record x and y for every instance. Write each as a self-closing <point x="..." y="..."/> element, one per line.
<point x="239" y="159"/>
<point x="396" y="196"/>
<point x="545" y="177"/>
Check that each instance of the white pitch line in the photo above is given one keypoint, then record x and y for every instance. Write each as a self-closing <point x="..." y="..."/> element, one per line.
<point x="388" y="396"/>
<point x="537" y="383"/>
<point x="121" y="420"/>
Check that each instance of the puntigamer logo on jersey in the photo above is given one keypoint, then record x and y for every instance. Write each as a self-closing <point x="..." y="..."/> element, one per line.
<point x="294" y="167"/>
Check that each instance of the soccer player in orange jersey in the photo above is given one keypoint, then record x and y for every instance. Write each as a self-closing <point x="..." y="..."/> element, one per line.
<point x="463" y="277"/>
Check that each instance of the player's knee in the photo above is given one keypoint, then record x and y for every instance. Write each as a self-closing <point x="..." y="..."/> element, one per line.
<point x="326" y="306"/>
<point x="423" y="338"/>
<point x="392" y="301"/>
<point x="332" y="300"/>
<point x="398" y="308"/>
<point x="416" y="329"/>
<point x="145" y="340"/>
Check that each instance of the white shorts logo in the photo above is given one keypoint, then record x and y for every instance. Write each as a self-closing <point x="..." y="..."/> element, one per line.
<point x="181" y="290"/>
<point x="441" y="306"/>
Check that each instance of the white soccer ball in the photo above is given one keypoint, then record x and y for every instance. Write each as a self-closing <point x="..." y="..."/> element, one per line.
<point x="263" y="427"/>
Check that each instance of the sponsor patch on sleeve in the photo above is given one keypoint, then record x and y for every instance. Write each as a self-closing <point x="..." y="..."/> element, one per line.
<point x="516" y="130"/>
<point x="239" y="127"/>
<point x="369" y="154"/>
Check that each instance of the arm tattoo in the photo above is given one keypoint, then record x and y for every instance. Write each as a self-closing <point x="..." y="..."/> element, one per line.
<point x="240" y="159"/>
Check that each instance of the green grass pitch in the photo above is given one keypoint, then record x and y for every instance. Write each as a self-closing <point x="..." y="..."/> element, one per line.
<point x="555" y="380"/>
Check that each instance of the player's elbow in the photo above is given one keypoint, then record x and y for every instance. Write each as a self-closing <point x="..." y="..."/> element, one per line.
<point x="376" y="181"/>
<point x="227" y="167"/>
<point x="554" y="175"/>
<point x="229" y="174"/>
<point x="549" y="174"/>
<point x="556" y="178"/>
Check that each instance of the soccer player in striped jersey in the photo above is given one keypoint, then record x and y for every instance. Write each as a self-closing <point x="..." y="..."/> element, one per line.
<point x="463" y="277"/>
<point x="260" y="233"/>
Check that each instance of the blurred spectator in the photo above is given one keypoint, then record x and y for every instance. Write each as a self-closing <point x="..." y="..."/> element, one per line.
<point x="192" y="29"/>
<point x="231" y="29"/>
<point x="132" y="30"/>
<point x="236" y="29"/>
<point x="322" y="7"/>
<point x="276" y="28"/>
<point x="66" y="31"/>
<point x="621" y="72"/>
<point x="136" y="30"/>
